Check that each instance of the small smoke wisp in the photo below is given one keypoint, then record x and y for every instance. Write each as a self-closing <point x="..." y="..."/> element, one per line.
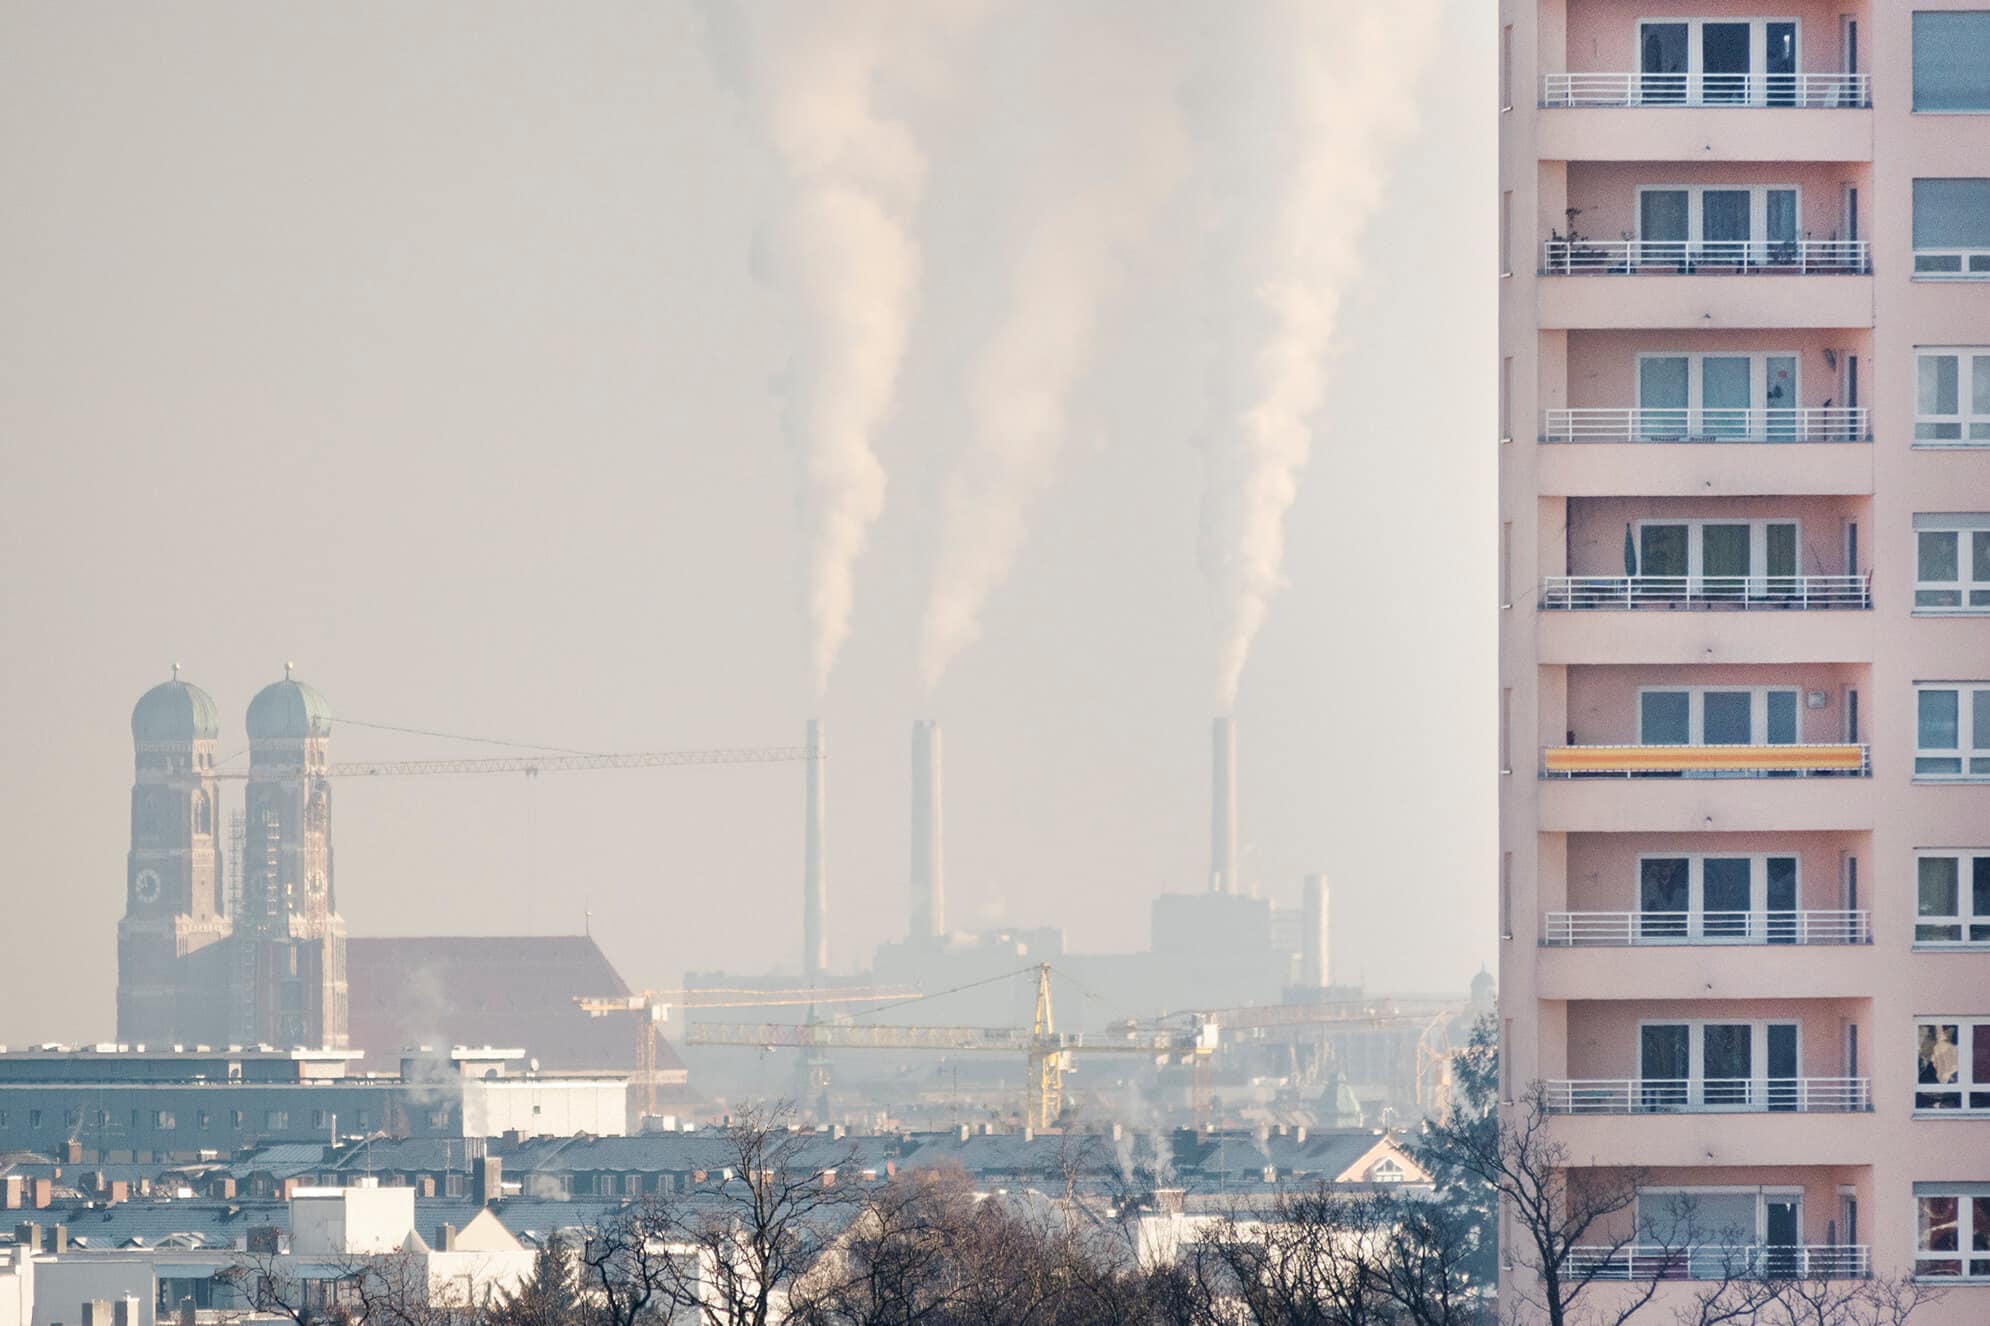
<point x="1304" y="106"/>
<point x="845" y="244"/>
<point x="1110" y="148"/>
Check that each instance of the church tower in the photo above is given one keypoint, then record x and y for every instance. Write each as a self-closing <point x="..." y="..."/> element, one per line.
<point x="172" y="977"/>
<point x="289" y="986"/>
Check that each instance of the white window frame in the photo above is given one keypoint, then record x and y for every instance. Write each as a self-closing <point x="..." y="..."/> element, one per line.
<point x="1972" y="1097"/>
<point x="1972" y="429"/>
<point x="1696" y="1060"/>
<point x="1950" y="264"/>
<point x="1972" y="596"/>
<point x="1758" y="710"/>
<point x="1758" y="548"/>
<point x="1696" y="908"/>
<point x="1973" y="762"/>
<point x="1967" y="923"/>
<point x="1971" y="1263"/>
<point x="1694" y="93"/>
<point x="1696" y="404"/>
<point x="1758" y="213"/>
<point x="1674" y="1192"/>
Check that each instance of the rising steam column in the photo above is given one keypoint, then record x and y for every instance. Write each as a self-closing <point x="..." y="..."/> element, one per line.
<point x="289" y="984"/>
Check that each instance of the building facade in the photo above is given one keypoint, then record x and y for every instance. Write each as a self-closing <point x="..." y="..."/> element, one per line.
<point x="1744" y="575"/>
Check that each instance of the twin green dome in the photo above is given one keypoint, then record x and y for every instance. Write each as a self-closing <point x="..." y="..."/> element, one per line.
<point x="176" y="710"/>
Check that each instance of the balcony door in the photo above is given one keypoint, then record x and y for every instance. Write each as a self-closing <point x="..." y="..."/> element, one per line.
<point x="1718" y="62"/>
<point x="1725" y="1229"/>
<point x="1717" y="899"/>
<point x="1706" y="559"/>
<point x="1718" y="226"/>
<point x="1722" y="397"/>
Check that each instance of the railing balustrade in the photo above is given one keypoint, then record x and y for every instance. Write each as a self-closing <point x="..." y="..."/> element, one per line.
<point x="1618" y="593"/>
<point x="1821" y="91"/>
<point x="1711" y="1095"/>
<point x="1708" y="257"/>
<point x="1631" y="929"/>
<point x="1832" y="423"/>
<point x="1715" y="1261"/>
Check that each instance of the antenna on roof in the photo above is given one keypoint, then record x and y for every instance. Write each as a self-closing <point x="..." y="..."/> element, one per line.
<point x="286" y="670"/>
<point x="176" y="672"/>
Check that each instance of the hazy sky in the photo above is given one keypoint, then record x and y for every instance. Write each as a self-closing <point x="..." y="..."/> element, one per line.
<point x="445" y="350"/>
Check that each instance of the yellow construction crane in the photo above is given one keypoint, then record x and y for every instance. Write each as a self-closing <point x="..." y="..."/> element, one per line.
<point x="533" y="765"/>
<point x="1046" y="1053"/>
<point x="653" y="1007"/>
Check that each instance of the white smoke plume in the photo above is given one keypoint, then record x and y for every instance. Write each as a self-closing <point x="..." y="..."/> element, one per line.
<point x="1110" y="147"/>
<point x="821" y="78"/>
<point x="1304" y="107"/>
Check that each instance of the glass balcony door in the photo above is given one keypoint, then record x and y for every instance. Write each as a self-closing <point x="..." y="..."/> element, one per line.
<point x="1717" y="559"/>
<point x="1692" y="225"/>
<point x="1722" y="397"/>
<point x="1717" y="899"/>
<point x="1714" y="1065"/>
<point x="1718" y="62"/>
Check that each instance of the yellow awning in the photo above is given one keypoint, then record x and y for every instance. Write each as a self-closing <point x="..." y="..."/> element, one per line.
<point x="1689" y="759"/>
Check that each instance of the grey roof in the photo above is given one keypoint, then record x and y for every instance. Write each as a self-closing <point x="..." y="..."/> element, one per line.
<point x="288" y="710"/>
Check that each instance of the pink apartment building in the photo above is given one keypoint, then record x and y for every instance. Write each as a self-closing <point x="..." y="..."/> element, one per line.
<point x="1745" y="621"/>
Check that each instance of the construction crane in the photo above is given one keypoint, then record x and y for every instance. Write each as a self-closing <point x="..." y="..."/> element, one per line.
<point x="653" y="1007"/>
<point x="1045" y="1052"/>
<point x="533" y="765"/>
<point x="1433" y="1017"/>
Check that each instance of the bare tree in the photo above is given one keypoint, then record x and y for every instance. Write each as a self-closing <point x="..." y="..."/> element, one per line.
<point x="1812" y="1301"/>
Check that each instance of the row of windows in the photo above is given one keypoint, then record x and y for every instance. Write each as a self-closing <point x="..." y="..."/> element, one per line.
<point x="167" y="1121"/>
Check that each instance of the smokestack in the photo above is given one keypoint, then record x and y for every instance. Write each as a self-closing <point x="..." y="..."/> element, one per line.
<point x="1313" y="972"/>
<point x="1223" y="807"/>
<point x="815" y="949"/>
<point x="929" y="893"/>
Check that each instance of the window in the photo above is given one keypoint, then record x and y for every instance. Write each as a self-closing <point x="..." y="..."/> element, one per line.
<point x="1710" y="62"/>
<point x="1716" y="558"/>
<point x="1708" y="1221"/>
<point x="319" y="1119"/>
<point x="1952" y="61"/>
<point x="439" y="1118"/>
<point x="72" y="1117"/>
<point x="235" y="1120"/>
<point x="1718" y="224"/>
<point x="1737" y="899"/>
<point x="1717" y="716"/>
<point x="1952" y="897"/>
<point x="1952" y="229"/>
<point x="1695" y="1065"/>
<point x="203" y="1120"/>
<point x="1506" y="67"/>
<point x="1952" y="1064"/>
<point x="1951" y="563"/>
<point x="1952" y="731"/>
<point x="362" y="1120"/>
<point x="277" y="1120"/>
<point x="1724" y="397"/>
<point x="1950" y="1218"/>
<point x="34" y="1118"/>
<point x="163" y="1120"/>
<point x="1952" y="397"/>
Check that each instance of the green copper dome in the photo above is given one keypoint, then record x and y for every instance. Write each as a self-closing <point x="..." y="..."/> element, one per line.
<point x="288" y="710"/>
<point x="175" y="711"/>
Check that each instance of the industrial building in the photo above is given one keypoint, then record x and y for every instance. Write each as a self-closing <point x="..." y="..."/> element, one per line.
<point x="1744" y="535"/>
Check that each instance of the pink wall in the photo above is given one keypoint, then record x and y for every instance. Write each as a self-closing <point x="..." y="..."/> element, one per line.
<point x="1607" y="192"/>
<point x="1596" y="526"/>
<point x="1602" y="365"/>
<point x="1603" y="699"/>
<point x="1603" y="870"/>
<point x="1603" y="1034"/>
<point x="1602" y="34"/>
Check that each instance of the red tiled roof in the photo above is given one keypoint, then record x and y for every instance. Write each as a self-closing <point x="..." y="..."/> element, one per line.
<point x="511" y="991"/>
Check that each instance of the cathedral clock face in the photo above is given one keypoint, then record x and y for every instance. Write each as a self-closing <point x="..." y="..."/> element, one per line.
<point x="147" y="886"/>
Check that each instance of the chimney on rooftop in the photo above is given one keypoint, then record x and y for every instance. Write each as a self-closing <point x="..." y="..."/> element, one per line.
<point x="1223" y="807"/>
<point x="486" y="1180"/>
<point x="928" y="858"/>
<point x="815" y="949"/>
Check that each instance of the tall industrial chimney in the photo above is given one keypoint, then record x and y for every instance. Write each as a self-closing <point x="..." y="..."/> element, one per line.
<point x="815" y="948"/>
<point x="1313" y="973"/>
<point x="1223" y="808"/>
<point x="929" y="892"/>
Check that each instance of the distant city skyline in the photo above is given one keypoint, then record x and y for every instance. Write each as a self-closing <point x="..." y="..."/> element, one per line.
<point x="435" y="361"/>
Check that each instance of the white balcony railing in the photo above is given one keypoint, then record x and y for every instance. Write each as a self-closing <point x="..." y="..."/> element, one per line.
<point x="1618" y="593"/>
<point x="1713" y="257"/>
<point x="1829" y="423"/>
<point x="1806" y="91"/>
<point x="1706" y="1261"/>
<point x="1658" y="929"/>
<point x="1709" y="1095"/>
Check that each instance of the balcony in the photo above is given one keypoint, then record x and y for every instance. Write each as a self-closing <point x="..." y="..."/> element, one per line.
<point x="1793" y="760"/>
<point x="1737" y="1095"/>
<point x="1712" y="257"/>
<point x="1804" y="91"/>
<point x="1783" y="1261"/>
<point x="1728" y="593"/>
<point x="1674" y="929"/>
<point x="1636" y="424"/>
